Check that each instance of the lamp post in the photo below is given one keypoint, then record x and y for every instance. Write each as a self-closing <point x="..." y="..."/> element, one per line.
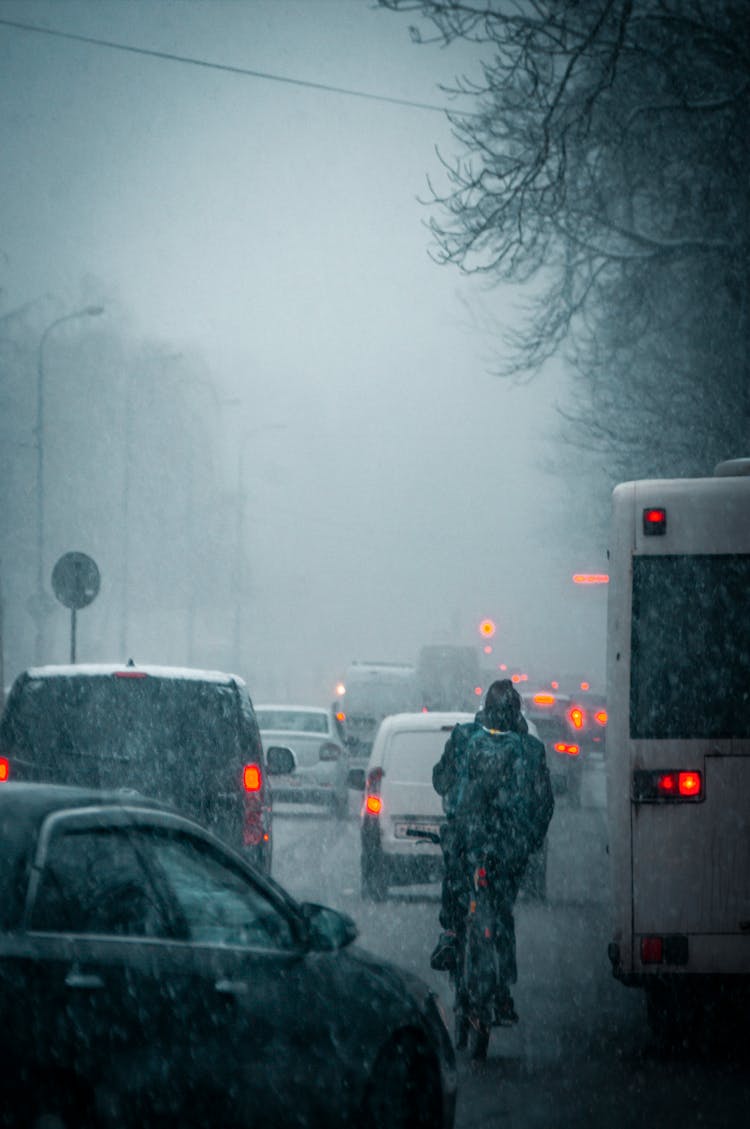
<point x="41" y="600"/>
<point x="240" y="542"/>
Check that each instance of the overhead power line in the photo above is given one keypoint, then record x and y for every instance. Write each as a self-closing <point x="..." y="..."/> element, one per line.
<point x="193" y="61"/>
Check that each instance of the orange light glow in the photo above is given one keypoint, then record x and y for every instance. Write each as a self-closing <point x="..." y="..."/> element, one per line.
<point x="251" y="778"/>
<point x="576" y="717"/>
<point x="374" y="805"/>
<point x="487" y="628"/>
<point x="585" y="686"/>
<point x="569" y="750"/>
<point x="601" y="717"/>
<point x="478" y="691"/>
<point x="341" y="716"/>
<point x="515" y="678"/>
<point x="544" y="699"/>
<point x="590" y="578"/>
<point x="4" y="769"/>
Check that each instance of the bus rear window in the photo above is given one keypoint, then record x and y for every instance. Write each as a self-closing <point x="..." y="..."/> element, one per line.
<point x="690" y="647"/>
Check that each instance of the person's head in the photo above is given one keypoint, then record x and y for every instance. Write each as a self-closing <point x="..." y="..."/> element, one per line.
<point x="502" y="705"/>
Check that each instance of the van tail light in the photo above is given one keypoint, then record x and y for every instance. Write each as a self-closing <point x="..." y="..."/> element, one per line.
<point x="373" y="801"/>
<point x="665" y="785"/>
<point x="4" y="769"/>
<point x="567" y="748"/>
<point x="252" y="778"/>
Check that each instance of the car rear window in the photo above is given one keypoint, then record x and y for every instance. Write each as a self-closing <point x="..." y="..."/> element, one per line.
<point x="411" y="755"/>
<point x="293" y="721"/>
<point x="124" y="732"/>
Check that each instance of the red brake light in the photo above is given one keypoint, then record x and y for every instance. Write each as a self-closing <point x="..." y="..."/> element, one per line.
<point x="251" y="778"/>
<point x="544" y="699"/>
<point x="4" y="769"/>
<point x="601" y="717"/>
<point x="373" y="802"/>
<point x="667" y="784"/>
<point x="130" y="674"/>
<point x="576" y="717"/>
<point x="652" y="950"/>
<point x="689" y="783"/>
<point x="654" y="520"/>
<point x="565" y="747"/>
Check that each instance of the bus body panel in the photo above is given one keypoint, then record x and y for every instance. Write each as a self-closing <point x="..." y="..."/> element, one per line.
<point x="680" y="869"/>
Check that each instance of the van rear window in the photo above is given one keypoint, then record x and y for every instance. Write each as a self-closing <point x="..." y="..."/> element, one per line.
<point x="690" y="647"/>
<point x="412" y="754"/>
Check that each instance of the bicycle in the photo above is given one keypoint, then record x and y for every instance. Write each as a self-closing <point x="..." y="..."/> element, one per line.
<point x="476" y="977"/>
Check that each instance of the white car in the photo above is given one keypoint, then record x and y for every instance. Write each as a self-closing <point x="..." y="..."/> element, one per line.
<point x="319" y="762"/>
<point x="401" y="811"/>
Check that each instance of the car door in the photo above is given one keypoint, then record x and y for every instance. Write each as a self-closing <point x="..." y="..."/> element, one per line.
<point x="108" y="968"/>
<point x="267" y="1015"/>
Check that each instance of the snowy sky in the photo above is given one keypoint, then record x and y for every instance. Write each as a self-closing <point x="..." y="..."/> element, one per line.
<point x="276" y="230"/>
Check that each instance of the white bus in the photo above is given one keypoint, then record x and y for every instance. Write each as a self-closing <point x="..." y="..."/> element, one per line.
<point x="678" y="740"/>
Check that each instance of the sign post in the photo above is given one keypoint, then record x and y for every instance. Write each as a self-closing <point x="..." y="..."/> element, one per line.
<point x="75" y="582"/>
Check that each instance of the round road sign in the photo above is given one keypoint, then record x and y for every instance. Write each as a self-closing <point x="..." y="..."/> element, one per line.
<point x="75" y="580"/>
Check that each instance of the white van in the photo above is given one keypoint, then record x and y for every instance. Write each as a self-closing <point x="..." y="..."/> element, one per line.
<point x="678" y="742"/>
<point x="399" y="803"/>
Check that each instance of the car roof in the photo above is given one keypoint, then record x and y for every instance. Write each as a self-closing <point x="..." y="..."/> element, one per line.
<point x="23" y="809"/>
<point x="292" y="709"/>
<point x="424" y="720"/>
<point x="93" y="670"/>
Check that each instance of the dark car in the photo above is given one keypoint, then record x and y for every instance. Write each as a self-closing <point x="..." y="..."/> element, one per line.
<point x="559" y="721"/>
<point x="150" y="976"/>
<point x="188" y="737"/>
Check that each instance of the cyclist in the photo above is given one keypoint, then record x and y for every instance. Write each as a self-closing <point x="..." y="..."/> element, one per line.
<point x="497" y="798"/>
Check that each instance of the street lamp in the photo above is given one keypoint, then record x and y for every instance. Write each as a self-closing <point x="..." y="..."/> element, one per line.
<point x="41" y="600"/>
<point x="240" y="543"/>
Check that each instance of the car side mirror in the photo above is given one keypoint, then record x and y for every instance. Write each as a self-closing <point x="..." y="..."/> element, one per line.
<point x="327" y="928"/>
<point x="356" y="779"/>
<point x="330" y="751"/>
<point x="280" y="761"/>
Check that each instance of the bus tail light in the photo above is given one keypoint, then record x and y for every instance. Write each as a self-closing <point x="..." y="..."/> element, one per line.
<point x="652" y="950"/>
<point x="654" y="521"/>
<point x="667" y="785"/>
<point x="672" y="948"/>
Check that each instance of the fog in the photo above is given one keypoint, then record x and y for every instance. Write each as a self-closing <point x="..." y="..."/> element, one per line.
<point x="282" y="441"/>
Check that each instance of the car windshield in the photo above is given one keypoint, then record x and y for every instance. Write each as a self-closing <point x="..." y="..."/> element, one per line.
<point x="411" y="755"/>
<point x="119" y="728"/>
<point x="292" y="721"/>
